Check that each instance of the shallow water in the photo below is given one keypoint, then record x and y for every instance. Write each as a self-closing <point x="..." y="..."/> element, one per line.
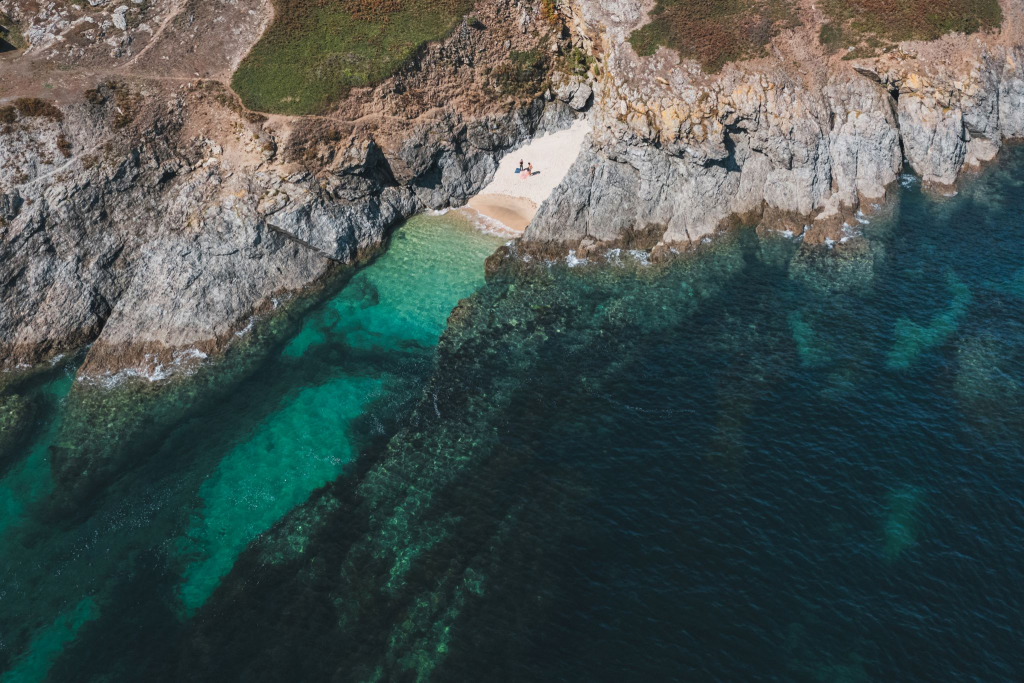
<point x="771" y="462"/>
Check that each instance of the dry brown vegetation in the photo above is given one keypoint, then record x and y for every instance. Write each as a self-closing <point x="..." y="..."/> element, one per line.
<point x="873" y="23"/>
<point x="64" y="146"/>
<point x="714" y="32"/>
<point x="33" y="107"/>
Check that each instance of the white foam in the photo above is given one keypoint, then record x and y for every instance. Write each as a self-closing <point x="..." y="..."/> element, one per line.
<point x="248" y="328"/>
<point x="908" y="179"/>
<point x="641" y="257"/>
<point x="572" y="261"/>
<point x="183" y="362"/>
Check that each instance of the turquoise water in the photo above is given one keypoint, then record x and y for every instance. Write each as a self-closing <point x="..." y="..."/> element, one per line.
<point x="767" y="462"/>
<point x="359" y="356"/>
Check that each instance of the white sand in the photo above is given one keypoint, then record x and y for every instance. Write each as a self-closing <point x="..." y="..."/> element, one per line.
<point x="512" y="200"/>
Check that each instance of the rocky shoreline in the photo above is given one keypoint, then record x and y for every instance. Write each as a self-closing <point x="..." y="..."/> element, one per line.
<point x="153" y="218"/>
<point x="796" y="133"/>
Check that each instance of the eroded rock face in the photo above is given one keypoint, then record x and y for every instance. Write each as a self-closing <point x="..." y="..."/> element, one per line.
<point x="796" y="132"/>
<point x="152" y="217"/>
<point x="158" y="245"/>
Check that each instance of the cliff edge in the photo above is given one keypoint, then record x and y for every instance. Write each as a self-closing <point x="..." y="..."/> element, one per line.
<point x="802" y="129"/>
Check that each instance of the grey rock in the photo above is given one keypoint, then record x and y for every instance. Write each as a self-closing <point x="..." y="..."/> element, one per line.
<point x="119" y="18"/>
<point x="934" y="138"/>
<point x="1011" y="95"/>
<point x="864" y="140"/>
<point x="158" y="252"/>
<point x="575" y="92"/>
<point x="682" y="154"/>
<point x="10" y="204"/>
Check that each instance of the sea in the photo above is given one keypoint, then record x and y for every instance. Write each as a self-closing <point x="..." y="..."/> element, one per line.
<point x="766" y="460"/>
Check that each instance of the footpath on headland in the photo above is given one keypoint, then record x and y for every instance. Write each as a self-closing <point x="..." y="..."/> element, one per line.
<point x="513" y="200"/>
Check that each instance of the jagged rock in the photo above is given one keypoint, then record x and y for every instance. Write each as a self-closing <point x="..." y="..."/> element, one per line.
<point x="679" y="150"/>
<point x="166" y="246"/>
<point x="10" y="204"/>
<point x="864" y="140"/>
<point x="340" y="231"/>
<point x="1011" y="95"/>
<point x="933" y="137"/>
<point x="576" y="93"/>
<point x="119" y="18"/>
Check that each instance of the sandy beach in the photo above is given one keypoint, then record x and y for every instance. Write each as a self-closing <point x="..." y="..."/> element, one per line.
<point x="513" y="200"/>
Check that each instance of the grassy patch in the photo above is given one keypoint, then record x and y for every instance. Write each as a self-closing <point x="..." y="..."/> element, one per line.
<point x="10" y="34"/>
<point x="869" y="24"/>
<point x="714" y="32"/>
<point x="315" y="52"/>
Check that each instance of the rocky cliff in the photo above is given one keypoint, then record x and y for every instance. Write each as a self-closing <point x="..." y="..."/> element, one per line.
<point x="798" y="132"/>
<point x="144" y="211"/>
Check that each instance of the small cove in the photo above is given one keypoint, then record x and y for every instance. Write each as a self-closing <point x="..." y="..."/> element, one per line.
<point x="261" y="454"/>
<point x="765" y="463"/>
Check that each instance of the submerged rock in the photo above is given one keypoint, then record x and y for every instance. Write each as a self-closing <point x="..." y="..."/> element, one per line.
<point x="16" y="421"/>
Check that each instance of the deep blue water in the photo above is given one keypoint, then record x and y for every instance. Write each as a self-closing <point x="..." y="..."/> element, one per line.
<point x="768" y="462"/>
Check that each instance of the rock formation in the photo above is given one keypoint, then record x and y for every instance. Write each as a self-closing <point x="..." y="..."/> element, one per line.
<point x="144" y="211"/>
<point x="797" y="131"/>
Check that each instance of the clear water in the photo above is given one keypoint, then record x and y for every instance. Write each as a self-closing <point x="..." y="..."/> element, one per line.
<point x="768" y="463"/>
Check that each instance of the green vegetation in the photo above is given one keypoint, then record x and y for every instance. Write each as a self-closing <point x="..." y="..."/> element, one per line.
<point x="523" y="74"/>
<point x="714" y="32"/>
<point x="10" y="34"/>
<point x="872" y="24"/>
<point x="577" y="62"/>
<point x="315" y="52"/>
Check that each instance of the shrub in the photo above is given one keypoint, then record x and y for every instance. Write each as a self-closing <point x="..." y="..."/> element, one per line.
<point x="95" y="97"/>
<point x="713" y="32"/>
<point x="578" y="62"/>
<point x="64" y="146"/>
<point x="549" y="10"/>
<point x="524" y="73"/>
<point x="856" y="21"/>
<point x="33" y="107"/>
<point x="10" y="33"/>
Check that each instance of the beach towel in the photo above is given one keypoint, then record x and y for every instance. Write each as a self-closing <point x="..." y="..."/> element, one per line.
<point x="524" y="175"/>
